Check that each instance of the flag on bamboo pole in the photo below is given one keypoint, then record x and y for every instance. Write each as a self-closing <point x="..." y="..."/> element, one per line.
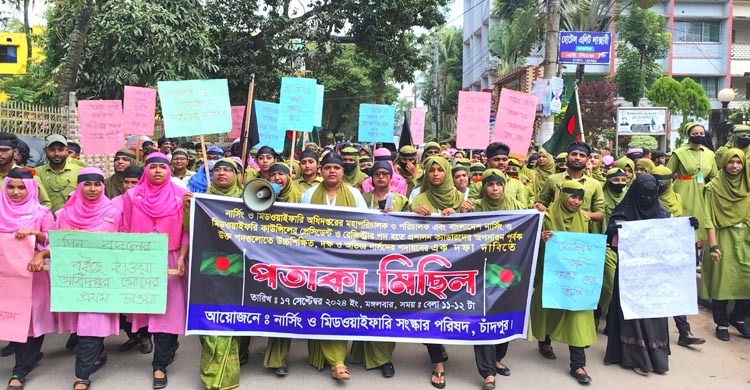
<point x="568" y="131"/>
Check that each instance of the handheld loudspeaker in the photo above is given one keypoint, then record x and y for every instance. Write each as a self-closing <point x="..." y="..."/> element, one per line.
<point x="259" y="195"/>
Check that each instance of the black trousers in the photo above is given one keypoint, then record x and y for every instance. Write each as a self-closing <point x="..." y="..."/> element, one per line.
<point x="27" y="355"/>
<point x="719" y="308"/>
<point x="436" y="352"/>
<point x="682" y="325"/>
<point x="487" y="355"/>
<point x="127" y="327"/>
<point x="87" y="350"/>
<point x="577" y="355"/>
<point x="165" y="346"/>
<point x="244" y="346"/>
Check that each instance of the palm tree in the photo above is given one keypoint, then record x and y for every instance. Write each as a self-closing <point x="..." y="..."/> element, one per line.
<point x="75" y="51"/>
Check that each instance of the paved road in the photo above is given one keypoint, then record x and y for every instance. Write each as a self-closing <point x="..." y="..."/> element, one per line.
<point x="713" y="365"/>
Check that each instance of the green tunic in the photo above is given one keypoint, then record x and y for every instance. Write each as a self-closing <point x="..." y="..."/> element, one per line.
<point x="304" y="185"/>
<point x="59" y="185"/>
<point x="593" y="195"/>
<point x="574" y="328"/>
<point x="220" y="365"/>
<point x="687" y="163"/>
<point x="514" y="188"/>
<point x="400" y="202"/>
<point x="727" y="209"/>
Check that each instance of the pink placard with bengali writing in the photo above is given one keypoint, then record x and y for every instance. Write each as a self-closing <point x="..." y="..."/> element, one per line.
<point x="416" y="125"/>
<point x="238" y="113"/>
<point x="514" y="123"/>
<point x="15" y="283"/>
<point x="473" y="128"/>
<point x="139" y="111"/>
<point x="101" y="126"/>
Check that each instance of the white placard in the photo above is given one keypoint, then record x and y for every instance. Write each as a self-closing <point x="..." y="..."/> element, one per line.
<point x="657" y="268"/>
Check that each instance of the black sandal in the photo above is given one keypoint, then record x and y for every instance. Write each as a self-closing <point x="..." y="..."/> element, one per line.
<point x="19" y="378"/>
<point x="82" y="382"/>
<point x="438" y="375"/>
<point x="160" y="383"/>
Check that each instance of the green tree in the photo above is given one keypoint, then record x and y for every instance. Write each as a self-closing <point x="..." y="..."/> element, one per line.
<point x="350" y="81"/>
<point x="137" y="42"/>
<point x="449" y="42"/>
<point x="24" y="6"/>
<point x="686" y="98"/>
<point x="645" y="42"/>
<point x="512" y="40"/>
<point x="274" y="38"/>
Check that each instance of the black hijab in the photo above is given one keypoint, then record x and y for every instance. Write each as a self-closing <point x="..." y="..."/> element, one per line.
<point x="641" y="201"/>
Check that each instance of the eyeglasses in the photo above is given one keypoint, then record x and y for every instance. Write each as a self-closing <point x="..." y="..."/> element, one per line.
<point x="381" y="174"/>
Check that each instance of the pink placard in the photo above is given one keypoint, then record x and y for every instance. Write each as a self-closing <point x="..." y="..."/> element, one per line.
<point x="514" y="124"/>
<point x="15" y="283"/>
<point x="101" y="126"/>
<point x="473" y="128"/>
<point x="238" y="113"/>
<point x="139" y="110"/>
<point x="416" y="125"/>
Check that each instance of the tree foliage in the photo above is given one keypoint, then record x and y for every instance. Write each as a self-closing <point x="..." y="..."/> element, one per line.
<point x="272" y="38"/>
<point x="645" y="42"/>
<point x="349" y="82"/>
<point x="598" y="109"/>
<point x="137" y="42"/>
<point x="449" y="42"/>
<point x="512" y="40"/>
<point x="686" y="98"/>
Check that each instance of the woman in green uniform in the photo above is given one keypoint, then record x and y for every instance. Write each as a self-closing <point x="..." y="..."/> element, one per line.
<point x="725" y="271"/>
<point x="574" y="328"/>
<point x="693" y="165"/>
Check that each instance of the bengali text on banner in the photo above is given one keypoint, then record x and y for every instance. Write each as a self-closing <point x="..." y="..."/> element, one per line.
<point x="305" y="271"/>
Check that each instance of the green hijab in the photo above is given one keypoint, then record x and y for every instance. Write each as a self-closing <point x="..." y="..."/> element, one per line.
<point x="543" y="171"/>
<point x="438" y="197"/>
<point x="596" y="171"/>
<point x="559" y="218"/>
<point x="485" y="203"/>
<point x="291" y="192"/>
<point x="235" y="189"/>
<point x="668" y="198"/>
<point x="356" y="176"/>
<point x="429" y="145"/>
<point x="731" y="194"/>
<point x="611" y="198"/>
<point x="646" y="164"/>
<point x="626" y="162"/>
<point x="113" y="185"/>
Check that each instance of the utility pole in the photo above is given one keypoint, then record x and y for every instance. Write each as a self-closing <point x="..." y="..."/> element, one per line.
<point x="551" y="52"/>
<point x="436" y="88"/>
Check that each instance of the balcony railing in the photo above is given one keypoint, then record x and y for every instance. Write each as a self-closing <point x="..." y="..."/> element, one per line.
<point x="741" y="51"/>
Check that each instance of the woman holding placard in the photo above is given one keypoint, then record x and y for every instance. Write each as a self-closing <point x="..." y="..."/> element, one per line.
<point x="155" y="205"/>
<point x="22" y="215"/>
<point x="89" y="209"/>
<point x="574" y="328"/>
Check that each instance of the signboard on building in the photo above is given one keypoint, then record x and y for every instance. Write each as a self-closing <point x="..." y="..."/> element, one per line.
<point x="642" y="121"/>
<point x="582" y="47"/>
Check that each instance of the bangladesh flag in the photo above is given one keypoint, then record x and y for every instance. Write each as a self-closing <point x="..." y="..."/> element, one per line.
<point x="503" y="277"/>
<point x="568" y="131"/>
<point x="222" y="264"/>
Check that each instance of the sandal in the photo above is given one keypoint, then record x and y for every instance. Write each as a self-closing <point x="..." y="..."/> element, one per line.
<point x="547" y="351"/>
<point x="20" y="379"/>
<point x="488" y="385"/>
<point x="438" y="375"/>
<point x="160" y="383"/>
<point x="340" y="372"/>
<point x="82" y="382"/>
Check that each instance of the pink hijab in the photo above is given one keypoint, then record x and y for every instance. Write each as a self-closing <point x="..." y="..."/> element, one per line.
<point x="81" y="213"/>
<point x="157" y="201"/>
<point x="21" y="215"/>
<point x="398" y="183"/>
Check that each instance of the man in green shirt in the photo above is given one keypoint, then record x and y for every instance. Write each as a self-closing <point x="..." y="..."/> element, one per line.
<point x="593" y="195"/>
<point x="58" y="176"/>
<point x="8" y="146"/>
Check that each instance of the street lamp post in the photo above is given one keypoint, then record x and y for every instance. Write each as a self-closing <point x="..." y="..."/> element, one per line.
<point x="725" y="96"/>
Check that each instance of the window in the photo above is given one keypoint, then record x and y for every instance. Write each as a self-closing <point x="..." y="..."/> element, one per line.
<point x="8" y="54"/>
<point x="697" y="31"/>
<point x="709" y="84"/>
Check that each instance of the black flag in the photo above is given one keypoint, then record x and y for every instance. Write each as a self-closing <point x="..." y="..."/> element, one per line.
<point x="405" y="134"/>
<point x="252" y="133"/>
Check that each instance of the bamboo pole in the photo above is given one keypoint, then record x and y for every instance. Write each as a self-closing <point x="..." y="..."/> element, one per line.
<point x="248" y="115"/>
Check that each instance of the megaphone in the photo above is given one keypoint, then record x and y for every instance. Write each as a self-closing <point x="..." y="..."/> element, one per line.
<point x="259" y="195"/>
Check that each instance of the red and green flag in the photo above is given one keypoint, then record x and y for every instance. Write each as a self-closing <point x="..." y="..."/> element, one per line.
<point x="568" y="131"/>
<point x="500" y="276"/>
<point x="222" y="264"/>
